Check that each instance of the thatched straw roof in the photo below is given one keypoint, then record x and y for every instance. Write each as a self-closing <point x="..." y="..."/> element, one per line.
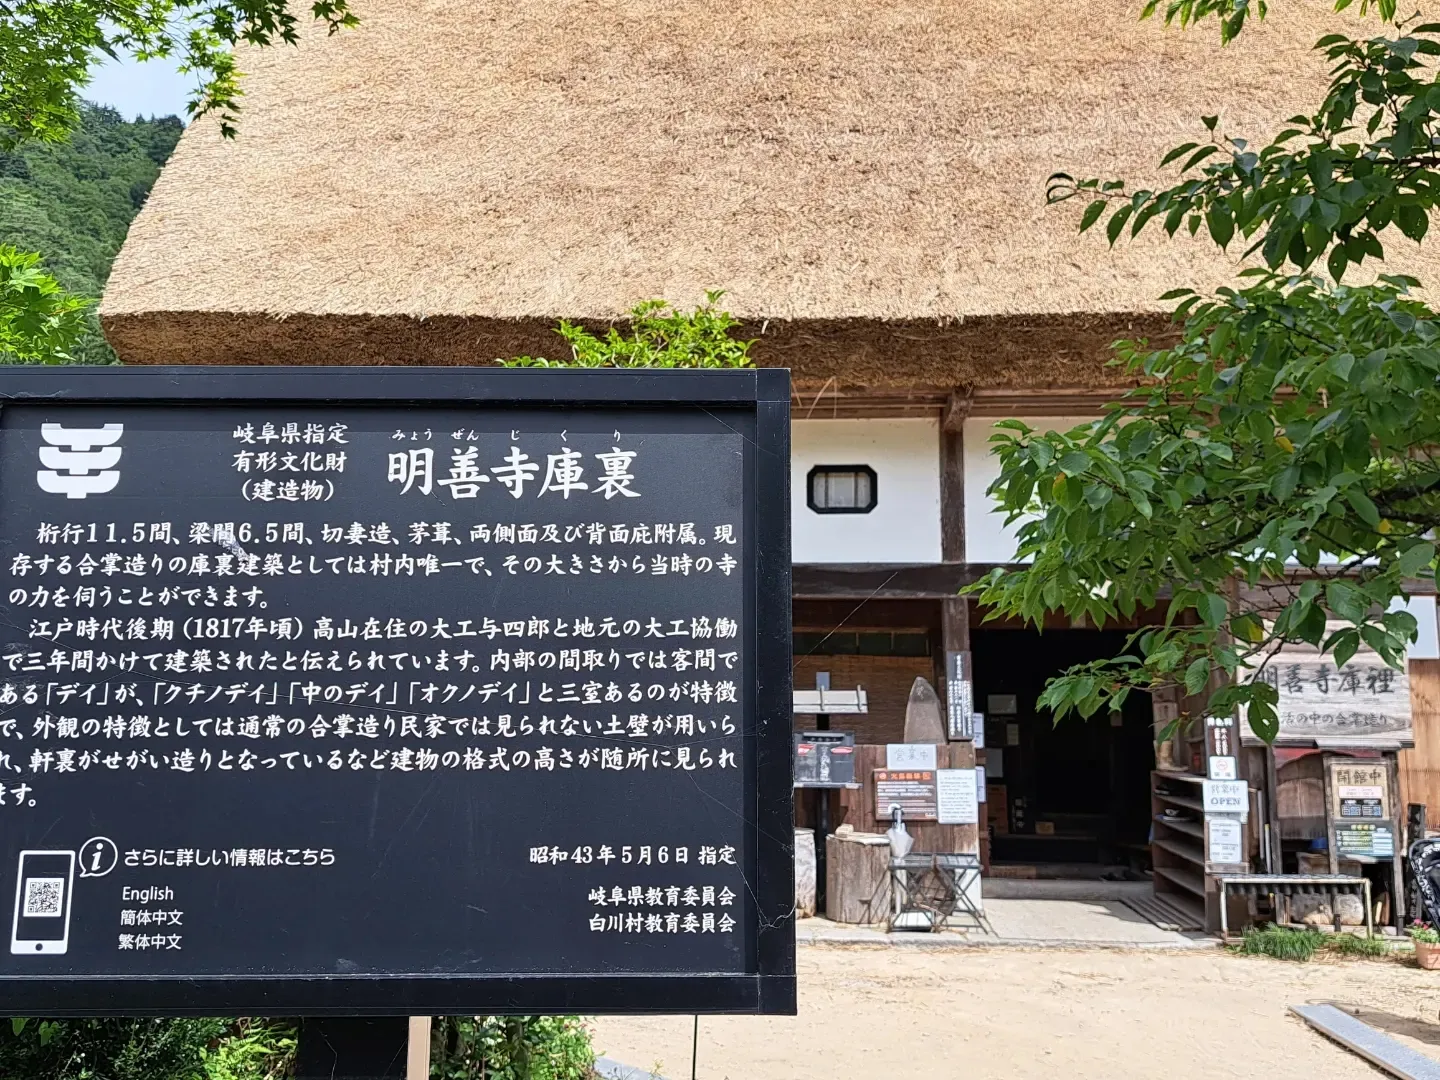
<point x="865" y="179"/>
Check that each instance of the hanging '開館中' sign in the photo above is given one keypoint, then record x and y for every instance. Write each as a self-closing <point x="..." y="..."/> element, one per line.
<point x="395" y="691"/>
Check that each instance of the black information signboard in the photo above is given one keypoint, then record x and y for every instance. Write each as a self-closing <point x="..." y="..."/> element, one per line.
<point x="347" y="691"/>
<point x="824" y="759"/>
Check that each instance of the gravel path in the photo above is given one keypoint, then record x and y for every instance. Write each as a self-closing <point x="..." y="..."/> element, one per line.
<point x="878" y="1013"/>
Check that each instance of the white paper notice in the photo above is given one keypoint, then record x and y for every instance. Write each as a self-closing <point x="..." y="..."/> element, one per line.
<point x="957" y="797"/>
<point x="910" y="756"/>
<point x="1226" y="841"/>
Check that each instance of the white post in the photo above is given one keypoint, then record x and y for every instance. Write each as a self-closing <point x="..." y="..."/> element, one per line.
<point x="417" y="1059"/>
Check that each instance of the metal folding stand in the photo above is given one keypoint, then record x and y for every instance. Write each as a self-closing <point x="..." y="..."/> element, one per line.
<point x="936" y="887"/>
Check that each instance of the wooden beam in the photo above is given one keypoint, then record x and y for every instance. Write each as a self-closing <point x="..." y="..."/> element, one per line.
<point x="827" y="399"/>
<point x="870" y="581"/>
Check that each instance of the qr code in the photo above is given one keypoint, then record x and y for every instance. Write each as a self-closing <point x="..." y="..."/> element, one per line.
<point x="44" y="897"/>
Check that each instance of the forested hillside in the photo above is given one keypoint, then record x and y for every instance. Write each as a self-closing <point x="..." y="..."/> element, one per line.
<point x="73" y="202"/>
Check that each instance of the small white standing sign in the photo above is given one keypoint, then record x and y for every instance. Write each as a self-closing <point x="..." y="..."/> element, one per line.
<point x="1226" y="797"/>
<point x="910" y="756"/>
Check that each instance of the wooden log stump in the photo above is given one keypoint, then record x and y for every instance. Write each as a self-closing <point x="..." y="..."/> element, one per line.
<point x="858" y="878"/>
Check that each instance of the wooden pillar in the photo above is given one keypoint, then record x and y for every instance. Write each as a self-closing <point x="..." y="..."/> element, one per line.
<point x="955" y="635"/>
<point x="955" y="611"/>
<point x="955" y="625"/>
<point x="952" y="479"/>
<point x="1397" y="863"/>
<point x="417" y="1058"/>
<point x="967" y="838"/>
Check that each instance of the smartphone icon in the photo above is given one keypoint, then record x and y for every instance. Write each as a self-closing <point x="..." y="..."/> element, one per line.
<point x="42" y="903"/>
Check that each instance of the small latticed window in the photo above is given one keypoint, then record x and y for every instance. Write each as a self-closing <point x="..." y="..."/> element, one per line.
<point x="842" y="489"/>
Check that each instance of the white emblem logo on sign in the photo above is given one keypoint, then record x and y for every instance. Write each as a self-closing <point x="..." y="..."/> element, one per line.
<point x="79" y="461"/>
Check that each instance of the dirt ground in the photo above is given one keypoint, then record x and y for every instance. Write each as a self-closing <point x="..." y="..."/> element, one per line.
<point x="878" y="1013"/>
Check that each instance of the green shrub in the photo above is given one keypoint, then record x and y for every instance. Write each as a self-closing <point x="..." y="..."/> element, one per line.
<point x="1370" y="948"/>
<point x="656" y="334"/>
<point x="510" y="1048"/>
<point x="109" y="1049"/>
<point x="1280" y="943"/>
<point x="160" y="1049"/>
<point x="1283" y="944"/>
<point x="1423" y="931"/>
<point x="252" y="1050"/>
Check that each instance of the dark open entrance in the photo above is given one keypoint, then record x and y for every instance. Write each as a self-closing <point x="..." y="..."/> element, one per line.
<point x="1075" y="793"/>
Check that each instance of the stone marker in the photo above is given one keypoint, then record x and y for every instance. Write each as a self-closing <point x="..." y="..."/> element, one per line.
<point x="924" y="717"/>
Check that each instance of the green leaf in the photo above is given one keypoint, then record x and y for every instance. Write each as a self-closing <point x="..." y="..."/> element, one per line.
<point x="1376" y="639"/>
<point x="1283" y="486"/>
<point x="1248" y="627"/>
<point x="1344" y="645"/>
<point x="1363" y="506"/>
<point x="1199" y="156"/>
<point x="1345" y="601"/>
<point x="1416" y="558"/>
<point x="1221" y="224"/>
<point x="1263" y="721"/>
<point x="1117" y="222"/>
<point x="1092" y="213"/>
<point x="17" y="1024"/>
<point x="1414" y="222"/>
<point x="1327" y="421"/>
<point x="1179" y="151"/>
<point x="1212" y="609"/>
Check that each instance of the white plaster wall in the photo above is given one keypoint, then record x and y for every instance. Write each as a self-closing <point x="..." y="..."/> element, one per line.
<point x="1427" y="645"/>
<point x="987" y="540"/>
<point x="904" y="527"/>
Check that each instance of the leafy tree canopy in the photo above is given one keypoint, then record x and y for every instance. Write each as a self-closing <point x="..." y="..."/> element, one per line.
<point x="48" y="48"/>
<point x="1274" y="476"/>
<point x="40" y="323"/>
<point x="75" y="202"/>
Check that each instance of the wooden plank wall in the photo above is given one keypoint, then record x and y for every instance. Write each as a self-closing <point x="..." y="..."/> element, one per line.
<point x="887" y="681"/>
<point x="856" y="807"/>
<point x="1420" y="767"/>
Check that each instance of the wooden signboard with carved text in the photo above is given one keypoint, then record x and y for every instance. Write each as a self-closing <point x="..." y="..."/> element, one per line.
<point x="1364" y="703"/>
